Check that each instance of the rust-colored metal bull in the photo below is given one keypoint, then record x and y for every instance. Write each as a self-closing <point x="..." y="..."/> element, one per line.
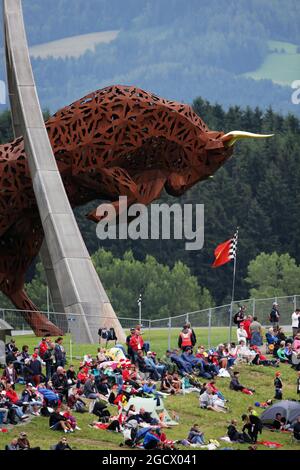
<point x="118" y="141"/>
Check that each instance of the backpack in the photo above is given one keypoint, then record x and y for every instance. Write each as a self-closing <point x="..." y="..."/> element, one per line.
<point x="104" y="333"/>
<point x="107" y="334"/>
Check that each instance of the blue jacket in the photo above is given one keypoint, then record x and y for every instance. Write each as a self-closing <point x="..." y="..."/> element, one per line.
<point x="48" y="394"/>
<point x="150" y="438"/>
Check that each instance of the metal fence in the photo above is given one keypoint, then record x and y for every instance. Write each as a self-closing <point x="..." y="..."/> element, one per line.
<point x="212" y="325"/>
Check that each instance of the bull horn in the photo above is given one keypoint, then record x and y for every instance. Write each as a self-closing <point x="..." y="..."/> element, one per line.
<point x="233" y="136"/>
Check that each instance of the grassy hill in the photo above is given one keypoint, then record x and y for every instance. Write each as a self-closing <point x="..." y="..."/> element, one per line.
<point x="282" y="64"/>
<point x="214" y="425"/>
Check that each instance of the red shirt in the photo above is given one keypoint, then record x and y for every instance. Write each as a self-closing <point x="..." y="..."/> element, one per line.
<point x="43" y="348"/>
<point x="126" y="375"/>
<point x="12" y="396"/>
<point x="247" y="324"/>
<point x="136" y="343"/>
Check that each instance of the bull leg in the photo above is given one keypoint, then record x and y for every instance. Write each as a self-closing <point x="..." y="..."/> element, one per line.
<point x="39" y="323"/>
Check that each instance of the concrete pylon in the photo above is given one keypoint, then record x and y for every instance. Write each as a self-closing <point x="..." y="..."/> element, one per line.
<point x="70" y="272"/>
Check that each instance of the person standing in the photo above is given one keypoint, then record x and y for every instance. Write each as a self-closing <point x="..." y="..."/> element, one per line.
<point x="278" y="386"/>
<point x="255" y="333"/>
<point x="59" y="353"/>
<point x="240" y="316"/>
<point x="185" y="339"/>
<point x="247" y="322"/>
<point x="48" y="359"/>
<point x="275" y="315"/>
<point x="295" y="321"/>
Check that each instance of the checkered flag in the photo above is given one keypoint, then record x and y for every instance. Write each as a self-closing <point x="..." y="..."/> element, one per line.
<point x="233" y="245"/>
<point x="226" y="251"/>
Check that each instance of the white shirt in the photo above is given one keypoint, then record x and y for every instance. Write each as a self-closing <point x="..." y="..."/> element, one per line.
<point x="241" y="334"/>
<point x="295" y="320"/>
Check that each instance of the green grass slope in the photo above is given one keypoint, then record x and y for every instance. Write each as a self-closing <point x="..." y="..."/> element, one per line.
<point x="282" y="64"/>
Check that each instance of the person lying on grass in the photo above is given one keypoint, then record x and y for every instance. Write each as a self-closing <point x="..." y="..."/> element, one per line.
<point x="210" y="401"/>
<point x="237" y="387"/>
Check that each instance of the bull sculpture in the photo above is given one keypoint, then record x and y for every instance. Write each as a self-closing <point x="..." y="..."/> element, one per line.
<point x="118" y="141"/>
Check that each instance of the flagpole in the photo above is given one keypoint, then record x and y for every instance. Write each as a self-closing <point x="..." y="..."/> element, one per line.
<point x="232" y="293"/>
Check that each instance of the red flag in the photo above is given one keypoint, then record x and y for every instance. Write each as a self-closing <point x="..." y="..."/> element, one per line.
<point x="225" y="252"/>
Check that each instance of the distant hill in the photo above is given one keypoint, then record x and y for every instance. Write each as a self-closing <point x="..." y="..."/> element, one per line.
<point x="176" y="48"/>
<point x="74" y="46"/>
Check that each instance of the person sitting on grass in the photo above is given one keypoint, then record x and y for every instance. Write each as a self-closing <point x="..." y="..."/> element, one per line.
<point x="15" y="402"/>
<point x="10" y="374"/>
<point x="196" y="363"/>
<point x="57" y="422"/>
<point x="67" y="413"/>
<point x="33" y="398"/>
<point x="13" y="445"/>
<point x="277" y="422"/>
<point x="288" y="351"/>
<point x="60" y="382"/>
<point x="271" y="337"/>
<point x="196" y="436"/>
<point x="166" y="384"/>
<point x="62" y="445"/>
<point x="89" y="389"/>
<point x="244" y="353"/>
<point x="237" y="387"/>
<point x="75" y="402"/>
<point x="285" y="426"/>
<point x="281" y="352"/>
<point x="24" y="443"/>
<point x="296" y="429"/>
<point x="166" y="361"/>
<point x="152" y="440"/>
<point x="236" y="436"/>
<point x="151" y="362"/>
<point x="215" y="390"/>
<point x="261" y="360"/>
<point x="222" y="356"/>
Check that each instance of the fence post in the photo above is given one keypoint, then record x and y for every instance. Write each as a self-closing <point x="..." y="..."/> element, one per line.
<point x="209" y="328"/>
<point x="295" y="302"/>
<point x="48" y="303"/>
<point x="71" y="351"/>
<point x="187" y="318"/>
<point x="169" y="333"/>
<point x="253" y="308"/>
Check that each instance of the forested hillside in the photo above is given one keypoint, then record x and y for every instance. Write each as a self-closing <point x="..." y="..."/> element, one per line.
<point x="176" y="48"/>
<point x="257" y="190"/>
